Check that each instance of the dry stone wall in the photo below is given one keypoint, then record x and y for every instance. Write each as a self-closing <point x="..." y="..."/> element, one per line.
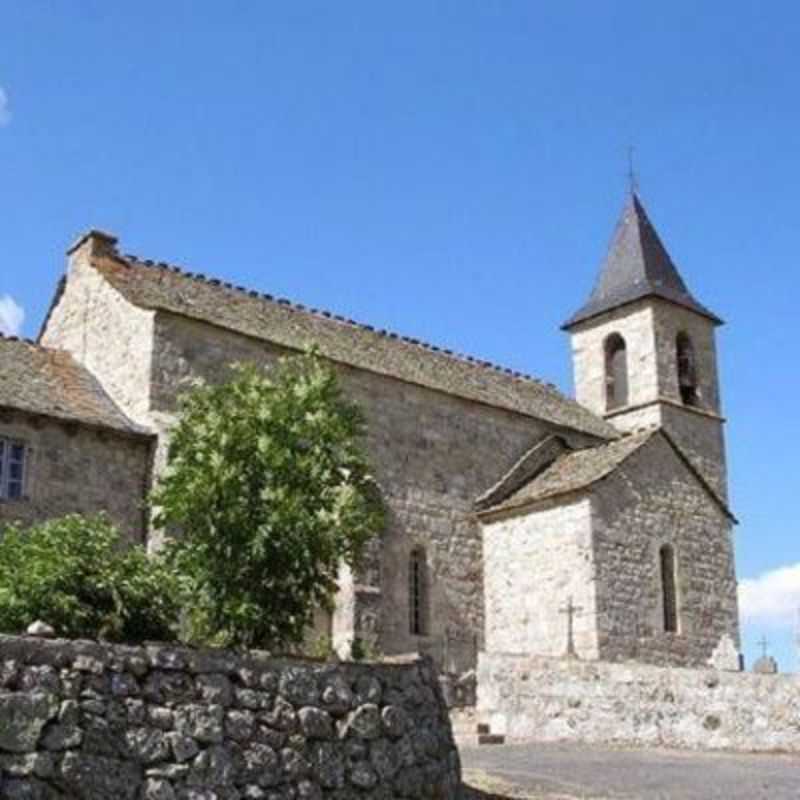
<point x="85" y="720"/>
<point x="530" y="698"/>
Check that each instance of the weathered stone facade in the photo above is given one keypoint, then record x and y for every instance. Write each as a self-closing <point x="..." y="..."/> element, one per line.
<point x="599" y="546"/>
<point x="432" y="452"/>
<point x="534" y="564"/>
<point x="101" y="722"/>
<point x="110" y="336"/>
<point x="73" y="468"/>
<point x="651" y="501"/>
<point x="519" y="498"/>
<point x="650" y="328"/>
<point x="531" y="698"/>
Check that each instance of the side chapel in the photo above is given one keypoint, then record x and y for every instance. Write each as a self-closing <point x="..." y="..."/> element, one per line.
<point x="520" y="520"/>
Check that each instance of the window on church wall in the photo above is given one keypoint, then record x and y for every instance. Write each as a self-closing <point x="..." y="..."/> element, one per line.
<point x="12" y="469"/>
<point x="616" y="356"/>
<point x="687" y="370"/>
<point x="669" y="600"/>
<point x="417" y="592"/>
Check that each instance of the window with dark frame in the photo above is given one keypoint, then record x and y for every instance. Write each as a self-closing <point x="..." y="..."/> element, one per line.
<point x="616" y="357"/>
<point x="687" y="371"/>
<point x="668" y="593"/>
<point x="12" y="469"/>
<point x="417" y="569"/>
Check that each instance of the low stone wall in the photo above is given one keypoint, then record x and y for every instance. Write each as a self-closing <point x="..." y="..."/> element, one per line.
<point x="87" y="720"/>
<point x="547" y="699"/>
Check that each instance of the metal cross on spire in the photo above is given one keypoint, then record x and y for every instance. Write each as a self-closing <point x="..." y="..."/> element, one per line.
<point x="633" y="178"/>
<point x="763" y="644"/>
<point x="570" y="610"/>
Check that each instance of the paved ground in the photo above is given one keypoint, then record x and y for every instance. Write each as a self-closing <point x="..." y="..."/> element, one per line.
<point x="568" y="770"/>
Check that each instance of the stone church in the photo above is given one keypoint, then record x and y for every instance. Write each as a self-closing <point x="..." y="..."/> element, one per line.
<point x="519" y="520"/>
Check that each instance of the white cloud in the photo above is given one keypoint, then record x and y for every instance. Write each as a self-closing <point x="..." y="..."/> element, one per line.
<point x="773" y="598"/>
<point x="11" y="316"/>
<point x="5" y="112"/>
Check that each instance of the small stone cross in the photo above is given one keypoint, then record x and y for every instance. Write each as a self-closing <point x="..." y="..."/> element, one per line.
<point x="763" y="644"/>
<point x="571" y="610"/>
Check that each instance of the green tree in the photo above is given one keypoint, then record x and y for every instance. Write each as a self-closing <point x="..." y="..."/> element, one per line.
<point x="267" y="490"/>
<point x="77" y="575"/>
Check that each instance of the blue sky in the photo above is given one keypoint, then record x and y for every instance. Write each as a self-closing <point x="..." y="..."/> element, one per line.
<point x="452" y="170"/>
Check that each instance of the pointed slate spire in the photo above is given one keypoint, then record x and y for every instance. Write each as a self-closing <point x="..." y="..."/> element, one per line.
<point x="637" y="265"/>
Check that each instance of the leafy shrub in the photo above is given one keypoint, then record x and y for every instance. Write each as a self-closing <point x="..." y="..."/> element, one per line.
<point x="267" y="490"/>
<point x="77" y="575"/>
<point x="319" y="648"/>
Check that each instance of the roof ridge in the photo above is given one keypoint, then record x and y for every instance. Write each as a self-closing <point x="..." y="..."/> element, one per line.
<point x="132" y="260"/>
<point x="24" y="340"/>
<point x="692" y="467"/>
<point x="643" y="435"/>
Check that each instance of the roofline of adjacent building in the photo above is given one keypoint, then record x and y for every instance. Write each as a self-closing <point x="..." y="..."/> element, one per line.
<point x="135" y="431"/>
<point x="501" y="511"/>
<point x="62" y="419"/>
<point x="667" y="401"/>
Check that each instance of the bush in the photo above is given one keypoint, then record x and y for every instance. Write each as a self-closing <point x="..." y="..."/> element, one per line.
<point x="77" y="575"/>
<point x="267" y="490"/>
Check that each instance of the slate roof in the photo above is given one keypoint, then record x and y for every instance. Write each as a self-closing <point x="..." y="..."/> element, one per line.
<point x="580" y="469"/>
<point x="51" y="383"/>
<point x="532" y="462"/>
<point x="161" y="286"/>
<point x="637" y="266"/>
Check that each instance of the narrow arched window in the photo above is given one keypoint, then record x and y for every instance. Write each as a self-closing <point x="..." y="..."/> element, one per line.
<point x="687" y="372"/>
<point x="616" y="372"/>
<point x="666" y="557"/>
<point x="417" y="592"/>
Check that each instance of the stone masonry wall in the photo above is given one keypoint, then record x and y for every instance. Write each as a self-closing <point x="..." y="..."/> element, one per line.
<point x="701" y="436"/>
<point x="650" y="329"/>
<point x="635" y="323"/>
<point x="534" y="563"/>
<point x="669" y="320"/>
<point x="540" y="699"/>
<point x="110" y="337"/>
<point x="76" y="469"/>
<point x="653" y="500"/>
<point x="432" y="454"/>
<point x="100" y="722"/>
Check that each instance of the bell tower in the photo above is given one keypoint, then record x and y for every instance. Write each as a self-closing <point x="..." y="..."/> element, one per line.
<point x="644" y="350"/>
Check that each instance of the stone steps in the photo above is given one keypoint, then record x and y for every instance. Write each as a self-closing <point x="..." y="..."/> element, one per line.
<point x="468" y="732"/>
